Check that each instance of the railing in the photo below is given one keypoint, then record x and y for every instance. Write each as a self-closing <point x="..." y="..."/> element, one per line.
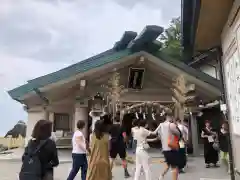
<point x="10" y="142"/>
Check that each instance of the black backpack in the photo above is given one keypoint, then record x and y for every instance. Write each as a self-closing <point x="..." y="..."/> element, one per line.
<point x="31" y="167"/>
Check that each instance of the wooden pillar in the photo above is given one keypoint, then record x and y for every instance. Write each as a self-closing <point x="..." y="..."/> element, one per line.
<point x="121" y="112"/>
<point x="175" y="110"/>
<point x="194" y="134"/>
<point x="46" y="114"/>
<point x="113" y="106"/>
<point x="81" y="113"/>
<point x="34" y="115"/>
<point x="178" y="111"/>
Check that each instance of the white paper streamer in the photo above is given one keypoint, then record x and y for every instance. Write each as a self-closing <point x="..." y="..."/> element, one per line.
<point x="136" y="114"/>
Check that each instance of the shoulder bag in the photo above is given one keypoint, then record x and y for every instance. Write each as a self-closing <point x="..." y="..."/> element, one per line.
<point x="173" y="141"/>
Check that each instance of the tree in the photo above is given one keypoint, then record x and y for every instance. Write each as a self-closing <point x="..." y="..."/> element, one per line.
<point x="171" y="39"/>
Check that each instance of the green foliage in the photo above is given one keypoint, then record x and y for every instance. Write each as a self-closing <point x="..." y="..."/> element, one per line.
<point x="171" y="39"/>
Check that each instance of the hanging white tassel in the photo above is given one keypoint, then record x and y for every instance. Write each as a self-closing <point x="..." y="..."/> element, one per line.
<point x="153" y="116"/>
<point x="144" y="116"/>
<point x="162" y="113"/>
<point x="136" y="114"/>
<point x="128" y="110"/>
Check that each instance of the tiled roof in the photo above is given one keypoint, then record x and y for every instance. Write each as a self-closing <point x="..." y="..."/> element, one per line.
<point x="109" y="56"/>
<point x="83" y="66"/>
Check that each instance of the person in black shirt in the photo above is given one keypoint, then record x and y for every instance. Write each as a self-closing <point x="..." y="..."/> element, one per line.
<point x="118" y="146"/>
<point x="107" y="122"/>
<point x="223" y="144"/>
<point x="127" y="125"/>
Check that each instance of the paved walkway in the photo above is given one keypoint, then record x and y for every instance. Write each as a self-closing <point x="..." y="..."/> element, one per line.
<point x="195" y="171"/>
<point x="64" y="155"/>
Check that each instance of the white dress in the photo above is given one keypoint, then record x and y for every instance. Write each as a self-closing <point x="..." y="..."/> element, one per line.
<point x="142" y="156"/>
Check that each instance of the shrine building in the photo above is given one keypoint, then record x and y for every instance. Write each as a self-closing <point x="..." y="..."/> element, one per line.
<point x="146" y="74"/>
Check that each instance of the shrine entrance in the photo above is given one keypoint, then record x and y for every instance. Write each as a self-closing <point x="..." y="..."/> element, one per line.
<point x="152" y="112"/>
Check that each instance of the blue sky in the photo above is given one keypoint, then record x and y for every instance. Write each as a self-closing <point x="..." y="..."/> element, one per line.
<point x="41" y="36"/>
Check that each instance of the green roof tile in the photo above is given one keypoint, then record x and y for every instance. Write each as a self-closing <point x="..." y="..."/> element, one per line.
<point x="83" y="66"/>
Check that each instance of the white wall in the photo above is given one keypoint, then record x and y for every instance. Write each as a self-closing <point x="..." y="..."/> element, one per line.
<point x="33" y="117"/>
<point x="231" y="57"/>
<point x="81" y="113"/>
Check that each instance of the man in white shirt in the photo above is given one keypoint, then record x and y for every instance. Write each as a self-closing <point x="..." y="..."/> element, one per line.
<point x="171" y="156"/>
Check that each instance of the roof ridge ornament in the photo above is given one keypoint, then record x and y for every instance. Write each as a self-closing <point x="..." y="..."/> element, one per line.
<point x="145" y="40"/>
<point x="127" y="37"/>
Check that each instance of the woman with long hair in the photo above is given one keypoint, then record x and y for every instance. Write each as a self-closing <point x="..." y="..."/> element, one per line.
<point x="40" y="149"/>
<point x="209" y="136"/>
<point x="99" y="163"/>
<point x="142" y="157"/>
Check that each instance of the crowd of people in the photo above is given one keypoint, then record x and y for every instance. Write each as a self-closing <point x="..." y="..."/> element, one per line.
<point x="108" y="140"/>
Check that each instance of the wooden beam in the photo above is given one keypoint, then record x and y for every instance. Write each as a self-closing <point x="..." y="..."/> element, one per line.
<point x="157" y="69"/>
<point x="139" y="98"/>
<point x="159" y="81"/>
<point x="151" y="91"/>
<point x="97" y="77"/>
<point x="41" y="96"/>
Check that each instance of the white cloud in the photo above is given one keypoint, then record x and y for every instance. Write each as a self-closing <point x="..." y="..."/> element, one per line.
<point x="16" y="71"/>
<point x="41" y="36"/>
